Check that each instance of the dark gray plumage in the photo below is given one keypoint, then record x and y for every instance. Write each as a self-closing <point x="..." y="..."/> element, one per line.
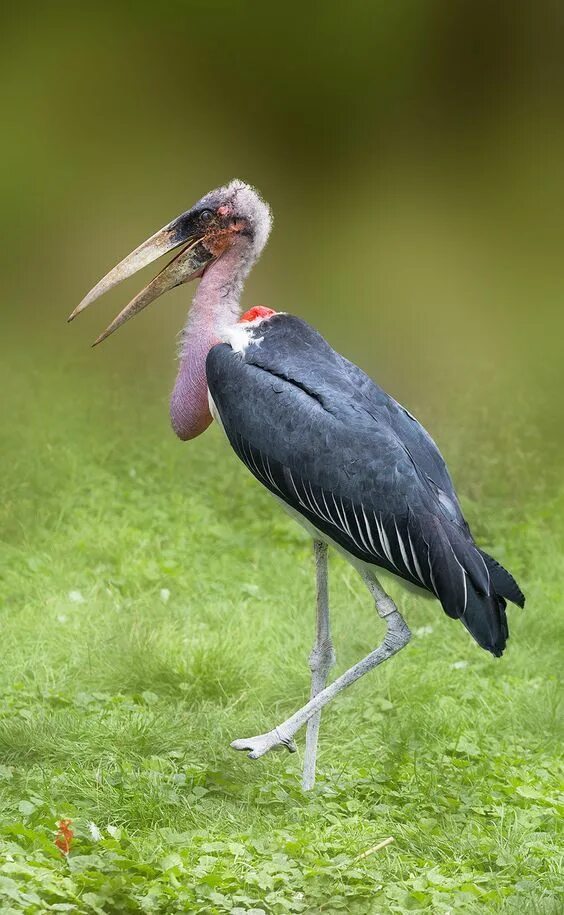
<point x="324" y="438"/>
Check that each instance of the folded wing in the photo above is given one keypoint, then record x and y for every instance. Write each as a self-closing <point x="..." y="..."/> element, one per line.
<point x="310" y="428"/>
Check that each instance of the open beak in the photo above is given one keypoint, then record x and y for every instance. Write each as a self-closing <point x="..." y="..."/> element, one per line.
<point x="188" y="264"/>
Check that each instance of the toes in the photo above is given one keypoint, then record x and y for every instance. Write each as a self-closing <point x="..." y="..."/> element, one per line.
<point x="241" y="745"/>
<point x="258" y="746"/>
<point x="255" y="751"/>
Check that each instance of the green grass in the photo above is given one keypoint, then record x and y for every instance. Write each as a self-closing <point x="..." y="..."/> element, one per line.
<point x="155" y="604"/>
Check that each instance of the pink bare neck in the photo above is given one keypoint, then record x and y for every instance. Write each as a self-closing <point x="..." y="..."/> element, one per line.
<point x="215" y="304"/>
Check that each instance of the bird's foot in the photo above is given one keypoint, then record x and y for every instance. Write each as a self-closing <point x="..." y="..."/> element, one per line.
<point x="263" y="743"/>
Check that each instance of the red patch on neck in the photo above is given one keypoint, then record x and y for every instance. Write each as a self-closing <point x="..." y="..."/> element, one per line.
<point x="257" y="311"/>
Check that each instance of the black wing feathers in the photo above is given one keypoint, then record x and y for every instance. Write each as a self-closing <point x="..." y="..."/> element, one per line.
<point x="503" y="581"/>
<point x="317" y="432"/>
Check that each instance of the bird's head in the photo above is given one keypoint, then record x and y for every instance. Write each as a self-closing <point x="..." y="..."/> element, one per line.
<point x="233" y="218"/>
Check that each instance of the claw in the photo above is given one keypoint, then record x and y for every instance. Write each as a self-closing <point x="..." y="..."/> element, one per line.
<point x="263" y="743"/>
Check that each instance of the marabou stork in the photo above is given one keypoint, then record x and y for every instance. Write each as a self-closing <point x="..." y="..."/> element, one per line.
<point x="352" y="465"/>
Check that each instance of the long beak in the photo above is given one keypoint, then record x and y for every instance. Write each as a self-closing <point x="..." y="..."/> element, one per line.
<point x="188" y="264"/>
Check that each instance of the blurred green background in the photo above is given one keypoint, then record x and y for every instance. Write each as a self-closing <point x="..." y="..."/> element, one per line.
<point x="412" y="153"/>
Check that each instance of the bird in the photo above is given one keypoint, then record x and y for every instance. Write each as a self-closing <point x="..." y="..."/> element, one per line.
<point x="348" y="462"/>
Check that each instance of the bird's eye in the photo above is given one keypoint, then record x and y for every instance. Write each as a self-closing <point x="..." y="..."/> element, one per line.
<point x="206" y="215"/>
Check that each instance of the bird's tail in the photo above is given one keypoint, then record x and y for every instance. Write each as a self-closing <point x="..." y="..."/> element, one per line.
<point x="486" y="620"/>
<point x="503" y="581"/>
<point x="473" y="587"/>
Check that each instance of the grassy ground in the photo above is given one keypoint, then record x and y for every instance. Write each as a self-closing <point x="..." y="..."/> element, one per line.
<point x="155" y="604"/>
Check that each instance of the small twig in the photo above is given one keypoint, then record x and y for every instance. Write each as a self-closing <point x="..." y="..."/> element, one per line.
<point x="374" y="849"/>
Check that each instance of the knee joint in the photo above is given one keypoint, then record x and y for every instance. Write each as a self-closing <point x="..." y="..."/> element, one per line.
<point x="398" y="634"/>
<point x="386" y="607"/>
<point x="322" y="656"/>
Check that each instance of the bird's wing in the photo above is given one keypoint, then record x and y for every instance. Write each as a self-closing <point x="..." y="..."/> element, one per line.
<point x="303" y="428"/>
<point x="414" y="436"/>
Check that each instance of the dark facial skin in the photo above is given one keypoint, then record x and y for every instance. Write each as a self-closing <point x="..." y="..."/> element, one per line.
<point x="219" y="228"/>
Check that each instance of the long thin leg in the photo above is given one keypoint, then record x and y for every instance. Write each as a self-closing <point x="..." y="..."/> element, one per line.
<point x="397" y="635"/>
<point x="321" y="660"/>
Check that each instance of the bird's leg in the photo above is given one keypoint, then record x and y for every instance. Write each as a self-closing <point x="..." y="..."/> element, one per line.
<point x="397" y="636"/>
<point x="321" y="660"/>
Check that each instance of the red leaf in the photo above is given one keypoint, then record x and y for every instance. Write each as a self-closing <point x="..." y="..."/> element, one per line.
<point x="64" y="837"/>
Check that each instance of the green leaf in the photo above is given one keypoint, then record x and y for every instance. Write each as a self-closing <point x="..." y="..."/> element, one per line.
<point x="26" y="807"/>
